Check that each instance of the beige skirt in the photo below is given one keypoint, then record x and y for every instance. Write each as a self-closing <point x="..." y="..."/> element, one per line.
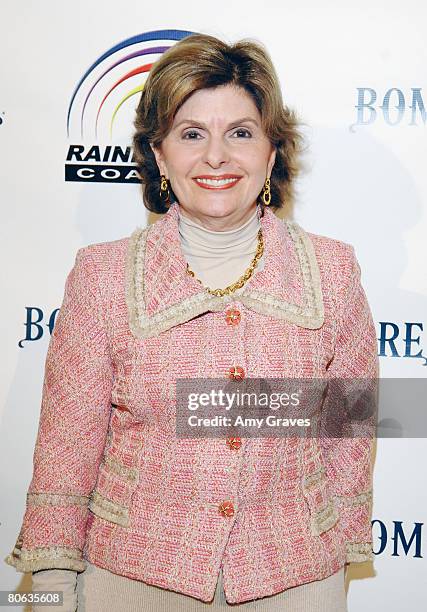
<point x="100" y="590"/>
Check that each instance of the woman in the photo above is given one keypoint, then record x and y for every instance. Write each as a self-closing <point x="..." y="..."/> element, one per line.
<point x="218" y="288"/>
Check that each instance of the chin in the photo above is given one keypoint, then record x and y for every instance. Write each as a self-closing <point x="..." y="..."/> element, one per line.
<point x="216" y="209"/>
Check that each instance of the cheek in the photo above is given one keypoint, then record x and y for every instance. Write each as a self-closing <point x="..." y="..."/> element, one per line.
<point x="184" y="165"/>
<point x="255" y="160"/>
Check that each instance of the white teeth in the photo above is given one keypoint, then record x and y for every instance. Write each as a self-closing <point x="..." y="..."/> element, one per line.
<point x="216" y="182"/>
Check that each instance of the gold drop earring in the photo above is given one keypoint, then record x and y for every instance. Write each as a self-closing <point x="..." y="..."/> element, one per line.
<point x="266" y="194"/>
<point x="164" y="190"/>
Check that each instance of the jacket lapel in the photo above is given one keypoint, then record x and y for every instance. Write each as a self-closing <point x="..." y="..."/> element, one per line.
<point x="160" y="294"/>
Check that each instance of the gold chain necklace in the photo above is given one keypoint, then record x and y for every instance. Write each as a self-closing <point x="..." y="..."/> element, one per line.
<point x="244" y="278"/>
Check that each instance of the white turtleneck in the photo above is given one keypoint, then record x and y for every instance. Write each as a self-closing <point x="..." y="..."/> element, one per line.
<point x="219" y="258"/>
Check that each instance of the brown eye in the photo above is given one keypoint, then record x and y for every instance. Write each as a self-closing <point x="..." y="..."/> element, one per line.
<point x="244" y="131"/>
<point x="192" y="133"/>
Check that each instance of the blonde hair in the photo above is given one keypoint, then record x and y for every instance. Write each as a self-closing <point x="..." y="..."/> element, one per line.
<point x="201" y="61"/>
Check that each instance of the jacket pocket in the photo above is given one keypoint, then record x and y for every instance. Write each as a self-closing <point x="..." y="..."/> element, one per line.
<point x="118" y="473"/>
<point x="120" y="393"/>
<point x="322" y="508"/>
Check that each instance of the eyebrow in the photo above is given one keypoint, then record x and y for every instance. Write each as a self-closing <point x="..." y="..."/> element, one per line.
<point x="201" y="124"/>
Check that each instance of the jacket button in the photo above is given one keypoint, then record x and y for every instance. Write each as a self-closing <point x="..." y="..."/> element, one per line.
<point x="232" y="316"/>
<point x="236" y="373"/>
<point x="226" y="508"/>
<point x="234" y="443"/>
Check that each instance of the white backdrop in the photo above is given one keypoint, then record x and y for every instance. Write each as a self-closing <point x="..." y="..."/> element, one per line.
<point x="355" y="72"/>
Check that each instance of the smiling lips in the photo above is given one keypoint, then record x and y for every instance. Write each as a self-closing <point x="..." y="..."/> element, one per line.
<point x="223" y="181"/>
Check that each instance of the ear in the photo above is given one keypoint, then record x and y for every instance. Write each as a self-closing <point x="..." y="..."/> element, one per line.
<point x="271" y="161"/>
<point x="159" y="159"/>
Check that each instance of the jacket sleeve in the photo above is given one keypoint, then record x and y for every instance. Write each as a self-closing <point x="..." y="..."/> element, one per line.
<point x="73" y="426"/>
<point x="349" y="412"/>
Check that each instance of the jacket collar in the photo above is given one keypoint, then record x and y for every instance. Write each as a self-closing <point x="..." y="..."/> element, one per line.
<point x="160" y="294"/>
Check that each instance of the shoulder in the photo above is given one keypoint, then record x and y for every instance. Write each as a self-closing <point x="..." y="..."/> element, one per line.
<point x="103" y="254"/>
<point x="103" y="264"/>
<point x="111" y="256"/>
<point x="336" y="258"/>
<point x="330" y="248"/>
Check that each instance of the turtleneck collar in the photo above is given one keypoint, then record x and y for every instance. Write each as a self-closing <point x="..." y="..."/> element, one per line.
<point x="196" y="238"/>
<point x="219" y="258"/>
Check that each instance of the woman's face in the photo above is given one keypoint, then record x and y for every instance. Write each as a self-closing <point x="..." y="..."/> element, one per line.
<point x="216" y="134"/>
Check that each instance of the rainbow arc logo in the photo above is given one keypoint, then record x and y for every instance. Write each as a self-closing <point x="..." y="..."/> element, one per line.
<point x="115" y="75"/>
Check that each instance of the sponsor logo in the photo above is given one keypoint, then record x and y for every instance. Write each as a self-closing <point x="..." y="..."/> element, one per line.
<point x="394" y="107"/>
<point x="401" y="340"/>
<point x="101" y="109"/>
<point x="35" y="324"/>
<point x="400" y="539"/>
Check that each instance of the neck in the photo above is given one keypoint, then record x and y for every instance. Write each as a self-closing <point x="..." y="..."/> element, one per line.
<point x="194" y="234"/>
<point x="219" y="224"/>
<point x="219" y="258"/>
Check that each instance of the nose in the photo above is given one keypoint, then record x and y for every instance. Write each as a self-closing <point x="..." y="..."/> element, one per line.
<point x="216" y="152"/>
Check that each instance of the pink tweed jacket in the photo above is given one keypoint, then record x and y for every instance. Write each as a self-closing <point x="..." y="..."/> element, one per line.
<point x="112" y="482"/>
